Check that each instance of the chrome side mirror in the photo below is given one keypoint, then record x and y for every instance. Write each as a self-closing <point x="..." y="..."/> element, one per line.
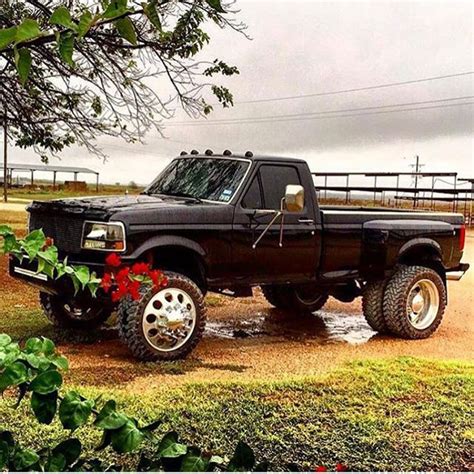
<point x="294" y="198"/>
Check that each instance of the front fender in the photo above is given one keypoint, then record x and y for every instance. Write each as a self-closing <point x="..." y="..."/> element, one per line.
<point x="165" y="241"/>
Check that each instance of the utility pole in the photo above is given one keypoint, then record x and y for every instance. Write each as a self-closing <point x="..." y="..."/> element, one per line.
<point x="5" y="166"/>
<point x="417" y="169"/>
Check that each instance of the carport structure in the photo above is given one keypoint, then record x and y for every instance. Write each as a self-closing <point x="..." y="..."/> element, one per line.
<point x="20" y="167"/>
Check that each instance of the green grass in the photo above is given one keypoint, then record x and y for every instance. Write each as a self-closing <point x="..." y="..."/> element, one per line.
<point x="401" y="414"/>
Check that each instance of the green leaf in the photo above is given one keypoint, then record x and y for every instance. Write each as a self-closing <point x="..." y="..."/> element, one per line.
<point x="4" y="451"/>
<point x="44" y="406"/>
<point x="152" y="14"/>
<point x="48" y="346"/>
<point x="82" y="273"/>
<point x="23" y="64"/>
<point x="216" y="5"/>
<point x="5" y="229"/>
<point x="60" y="362"/>
<point x="5" y="339"/>
<point x="14" y="374"/>
<point x="50" y="254"/>
<point x="126" y="30"/>
<point x="7" y="36"/>
<point x="108" y="418"/>
<point x="62" y="17"/>
<point x="74" y="411"/>
<point x="28" y="30"/>
<point x="24" y="459"/>
<point x="114" y="9"/>
<point x="56" y="463"/>
<point x="85" y="23"/>
<point x="170" y="448"/>
<point x="34" y="345"/>
<point x="243" y="459"/>
<point x="194" y="462"/>
<point x="66" y="47"/>
<point x="70" y="449"/>
<point x="33" y="242"/>
<point x="127" y="438"/>
<point x="46" y="382"/>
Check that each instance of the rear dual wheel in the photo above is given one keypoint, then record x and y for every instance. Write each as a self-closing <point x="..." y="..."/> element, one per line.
<point x="410" y="304"/>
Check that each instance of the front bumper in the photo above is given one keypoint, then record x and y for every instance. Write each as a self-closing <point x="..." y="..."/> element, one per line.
<point x="27" y="272"/>
<point x="458" y="272"/>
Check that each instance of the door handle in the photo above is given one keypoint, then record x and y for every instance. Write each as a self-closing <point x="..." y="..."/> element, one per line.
<point x="303" y="220"/>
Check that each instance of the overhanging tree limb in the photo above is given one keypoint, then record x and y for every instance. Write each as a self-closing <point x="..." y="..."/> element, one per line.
<point x="90" y="76"/>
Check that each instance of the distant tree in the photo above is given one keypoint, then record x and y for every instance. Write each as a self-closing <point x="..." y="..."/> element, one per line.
<point x="133" y="185"/>
<point x="70" y="70"/>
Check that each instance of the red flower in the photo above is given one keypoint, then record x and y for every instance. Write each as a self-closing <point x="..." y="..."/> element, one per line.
<point x="140" y="268"/>
<point x="134" y="290"/>
<point x="340" y="467"/>
<point x="320" y="469"/>
<point x="47" y="243"/>
<point x="106" y="282"/>
<point x="120" y="292"/>
<point x="113" y="260"/>
<point x="122" y="275"/>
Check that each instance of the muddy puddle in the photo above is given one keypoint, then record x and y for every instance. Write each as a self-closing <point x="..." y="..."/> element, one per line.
<point x="323" y="326"/>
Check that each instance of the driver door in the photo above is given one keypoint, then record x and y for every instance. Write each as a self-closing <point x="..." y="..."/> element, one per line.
<point x="268" y="262"/>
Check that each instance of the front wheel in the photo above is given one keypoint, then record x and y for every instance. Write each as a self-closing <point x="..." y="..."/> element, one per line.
<point x="164" y="324"/>
<point x="414" y="302"/>
<point x="71" y="314"/>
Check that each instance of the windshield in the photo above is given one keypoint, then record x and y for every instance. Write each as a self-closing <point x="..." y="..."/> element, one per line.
<point x="211" y="179"/>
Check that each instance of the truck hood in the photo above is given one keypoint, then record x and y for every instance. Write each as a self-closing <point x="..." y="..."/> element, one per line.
<point x="129" y="209"/>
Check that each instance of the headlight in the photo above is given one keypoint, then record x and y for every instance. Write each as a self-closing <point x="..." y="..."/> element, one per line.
<point x="108" y="236"/>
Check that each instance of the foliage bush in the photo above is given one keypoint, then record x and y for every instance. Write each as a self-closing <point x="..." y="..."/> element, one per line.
<point x="119" y="280"/>
<point x="34" y="372"/>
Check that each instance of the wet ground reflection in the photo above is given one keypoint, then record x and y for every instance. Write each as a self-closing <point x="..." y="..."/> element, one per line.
<point x="323" y="326"/>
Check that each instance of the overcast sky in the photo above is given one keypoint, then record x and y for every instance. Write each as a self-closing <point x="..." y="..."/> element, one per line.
<point x="309" y="47"/>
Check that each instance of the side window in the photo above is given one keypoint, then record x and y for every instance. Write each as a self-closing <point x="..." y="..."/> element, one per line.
<point x="274" y="182"/>
<point x="253" y="196"/>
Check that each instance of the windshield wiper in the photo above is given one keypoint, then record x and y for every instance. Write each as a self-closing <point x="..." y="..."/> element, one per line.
<point x="183" y="195"/>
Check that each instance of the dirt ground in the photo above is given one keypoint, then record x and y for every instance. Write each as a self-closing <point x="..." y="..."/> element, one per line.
<point x="248" y="340"/>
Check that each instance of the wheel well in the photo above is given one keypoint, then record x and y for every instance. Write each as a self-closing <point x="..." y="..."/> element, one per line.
<point x="426" y="256"/>
<point x="180" y="260"/>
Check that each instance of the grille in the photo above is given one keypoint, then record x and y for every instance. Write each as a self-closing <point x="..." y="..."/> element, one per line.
<point x="66" y="231"/>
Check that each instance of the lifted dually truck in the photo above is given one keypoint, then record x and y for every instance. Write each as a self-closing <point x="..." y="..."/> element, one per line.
<point x="226" y="223"/>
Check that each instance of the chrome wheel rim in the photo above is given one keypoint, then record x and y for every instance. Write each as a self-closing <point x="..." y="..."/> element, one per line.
<point x="422" y="304"/>
<point x="169" y="319"/>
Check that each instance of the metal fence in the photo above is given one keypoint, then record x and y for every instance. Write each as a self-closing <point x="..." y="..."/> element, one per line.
<point x="457" y="193"/>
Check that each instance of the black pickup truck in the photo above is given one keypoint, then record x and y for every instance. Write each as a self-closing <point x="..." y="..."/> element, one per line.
<point x="226" y="223"/>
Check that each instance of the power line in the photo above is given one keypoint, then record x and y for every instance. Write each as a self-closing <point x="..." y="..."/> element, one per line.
<point x="197" y="124"/>
<point x="324" y="112"/>
<point x="355" y="89"/>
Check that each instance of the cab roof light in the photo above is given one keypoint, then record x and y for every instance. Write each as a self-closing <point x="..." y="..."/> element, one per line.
<point x="194" y="152"/>
<point x="209" y="152"/>
<point x="227" y="153"/>
<point x="183" y="153"/>
<point x="248" y="154"/>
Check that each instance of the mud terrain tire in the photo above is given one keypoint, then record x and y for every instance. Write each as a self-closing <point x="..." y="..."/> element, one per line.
<point x="131" y="319"/>
<point x="400" y="305"/>
<point x="56" y="310"/>
<point x="372" y="305"/>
